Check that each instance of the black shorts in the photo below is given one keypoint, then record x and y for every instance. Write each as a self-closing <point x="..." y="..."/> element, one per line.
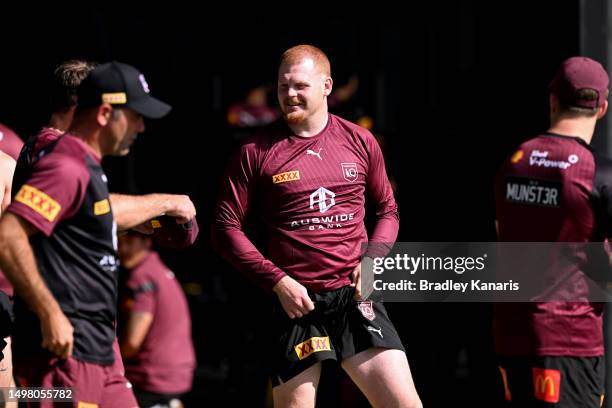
<point x="547" y="381"/>
<point x="339" y="327"/>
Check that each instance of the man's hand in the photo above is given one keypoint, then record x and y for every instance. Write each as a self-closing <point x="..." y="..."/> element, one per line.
<point x="181" y="208"/>
<point x="57" y="334"/>
<point x="356" y="278"/>
<point x="145" y="228"/>
<point x="294" y="298"/>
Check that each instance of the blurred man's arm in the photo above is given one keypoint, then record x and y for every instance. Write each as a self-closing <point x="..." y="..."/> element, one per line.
<point x="137" y="328"/>
<point x="131" y="211"/>
<point x="18" y="264"/>
<point x="7" y="168"/>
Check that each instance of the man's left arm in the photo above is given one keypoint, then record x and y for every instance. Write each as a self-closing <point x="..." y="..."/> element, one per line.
<point x="139" y="309"/>
<point x="381" y="196"/>
<point x="380" y="193"/>
<point x="136" y="330"/>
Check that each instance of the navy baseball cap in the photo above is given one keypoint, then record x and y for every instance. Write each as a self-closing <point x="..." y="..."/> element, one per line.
<point x="120" y="85"/>
<point x="578" y="73"/>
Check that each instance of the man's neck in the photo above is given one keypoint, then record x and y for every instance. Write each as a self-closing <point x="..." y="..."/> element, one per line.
<point x="579" y="127"/>
<point x="135" y="259"/>
<point x="90" y="136"/>
<point x="313" y="126"/>
<point x="60" y="121"/>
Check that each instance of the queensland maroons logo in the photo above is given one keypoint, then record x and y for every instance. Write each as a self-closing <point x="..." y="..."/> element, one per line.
<point x="367" y="309"/>
<point x="349" y="171"/>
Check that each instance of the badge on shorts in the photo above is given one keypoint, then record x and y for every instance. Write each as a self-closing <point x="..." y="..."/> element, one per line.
<point x="367" y="310"/>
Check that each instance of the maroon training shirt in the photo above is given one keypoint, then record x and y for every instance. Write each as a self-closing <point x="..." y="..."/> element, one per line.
<point x="166" y="359"/>
<point x="553" y="189"/>
<point x="310" y="193"/>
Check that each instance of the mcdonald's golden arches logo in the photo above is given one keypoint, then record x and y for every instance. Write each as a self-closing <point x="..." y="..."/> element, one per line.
<point x="546" y="384"/>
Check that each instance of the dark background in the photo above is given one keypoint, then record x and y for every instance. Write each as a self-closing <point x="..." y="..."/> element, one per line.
<point x="452" y="87"/>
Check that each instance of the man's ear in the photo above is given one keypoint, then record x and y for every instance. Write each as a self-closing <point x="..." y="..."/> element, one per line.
<point x="602" y="110"/>
<point x="103" y="116"/>
<point x="328" y="85"/>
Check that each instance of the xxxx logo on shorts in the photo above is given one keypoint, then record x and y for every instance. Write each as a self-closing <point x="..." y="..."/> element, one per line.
<point x="39" y="202"/>
<point x="286" y="176"/>
<point x="312" y="345"/>
<point x="367" y="310"/>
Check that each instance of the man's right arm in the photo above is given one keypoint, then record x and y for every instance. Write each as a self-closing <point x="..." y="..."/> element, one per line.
<point x="235" y="199"/>
<point x="131" y="211"/>
<point x="18" y="264"/>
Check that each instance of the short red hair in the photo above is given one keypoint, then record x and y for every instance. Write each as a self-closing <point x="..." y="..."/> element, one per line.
<point x="297" y="54"/>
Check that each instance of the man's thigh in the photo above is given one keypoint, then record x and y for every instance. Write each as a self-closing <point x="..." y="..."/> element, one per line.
<point x="384" y="377"/>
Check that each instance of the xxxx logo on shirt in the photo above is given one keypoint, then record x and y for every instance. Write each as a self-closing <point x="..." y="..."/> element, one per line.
<point x="101" y="207"/>
<point x="39" y="202"/>
<point x="312" y="345"/>
<point x="286" y="176"/>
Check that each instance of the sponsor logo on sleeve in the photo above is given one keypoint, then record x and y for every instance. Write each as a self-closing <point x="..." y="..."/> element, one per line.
<point x="312" y="345"/>
<point x="293" y="175"/>
<point x="101" y="207"/>
<point x="517" y="156"/>
<point x="546" y="384"/>
<point x="533" y="192"/>
<point x="39" y="202"/>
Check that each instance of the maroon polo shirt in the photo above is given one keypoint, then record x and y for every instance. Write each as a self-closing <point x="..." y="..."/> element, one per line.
<point x="166" y="360"/>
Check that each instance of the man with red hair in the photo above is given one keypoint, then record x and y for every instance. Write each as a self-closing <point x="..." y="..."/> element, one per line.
<point x="308" y="175"/>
